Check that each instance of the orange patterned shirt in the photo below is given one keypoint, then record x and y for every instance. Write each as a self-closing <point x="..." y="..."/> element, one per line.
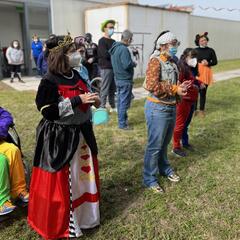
<point x="159" y="87"/>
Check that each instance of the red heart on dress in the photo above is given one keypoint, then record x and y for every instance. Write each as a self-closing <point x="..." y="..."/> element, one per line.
<point x="85" y="157"/>
<point x="86" y="169"/>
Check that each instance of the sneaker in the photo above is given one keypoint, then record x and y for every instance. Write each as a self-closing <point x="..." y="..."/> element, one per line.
<point x="156" y="189"/>
<point x="173" y="177"/>
<point x="113" y="110"/>
<point x="24" y="196"/>
<point x="21" y="81"/>
<point x="11" y="81"/>
<point x="179" y="152"/>
<point x="7" y="208"/>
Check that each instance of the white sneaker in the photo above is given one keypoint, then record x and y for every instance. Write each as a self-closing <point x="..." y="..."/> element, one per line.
<point x="173" y="177"/>
<point x="113" y="110"/>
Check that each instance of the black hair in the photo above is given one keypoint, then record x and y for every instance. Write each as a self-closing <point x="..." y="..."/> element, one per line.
<point x="155" y="42"/>
<point x="199" y="36"/>
<point x="183" y="67"/>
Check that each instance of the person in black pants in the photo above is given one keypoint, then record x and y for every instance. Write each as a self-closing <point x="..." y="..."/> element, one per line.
<point x="206" y="59"/>
<point x="108" y="86"/>
<point x="91" y="61"/>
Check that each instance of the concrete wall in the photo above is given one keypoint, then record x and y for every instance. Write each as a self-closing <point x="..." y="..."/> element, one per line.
<point x="154" y="21"/>
<point x="94" y="18"/>
<point x="10" y="25"/>
<point x="68" y="15"/>
<point x="39" y="22"/>
<point x="224" y="35"/>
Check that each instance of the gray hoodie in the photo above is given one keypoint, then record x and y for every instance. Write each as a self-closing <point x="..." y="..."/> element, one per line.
<point x="14" y="56"/>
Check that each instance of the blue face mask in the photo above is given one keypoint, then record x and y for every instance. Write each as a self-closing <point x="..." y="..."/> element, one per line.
<point x="110" y="32"/>
<point x="173" y="51"/>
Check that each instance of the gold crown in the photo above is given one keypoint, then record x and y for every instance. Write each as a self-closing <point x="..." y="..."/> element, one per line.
<point x="66" y="41"/>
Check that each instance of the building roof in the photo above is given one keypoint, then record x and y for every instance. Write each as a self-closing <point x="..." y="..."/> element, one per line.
<point x="127" y="3"/>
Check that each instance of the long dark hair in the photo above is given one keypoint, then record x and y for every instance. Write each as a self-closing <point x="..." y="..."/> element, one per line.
<point x="183" y="67"/>
<point x="155" y="42"/>
<point x="58" y="62"/>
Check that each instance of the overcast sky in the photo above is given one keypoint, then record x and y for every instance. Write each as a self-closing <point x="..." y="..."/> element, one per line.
<point x="227" y="4"/>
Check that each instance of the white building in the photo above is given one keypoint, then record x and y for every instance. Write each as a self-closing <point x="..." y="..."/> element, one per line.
<point x="147" y="22"/>
<point x="20" y="19"/>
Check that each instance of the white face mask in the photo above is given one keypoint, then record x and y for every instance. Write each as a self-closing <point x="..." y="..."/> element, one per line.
<point x="75" y="59"/>
<point x="192" y="62"/>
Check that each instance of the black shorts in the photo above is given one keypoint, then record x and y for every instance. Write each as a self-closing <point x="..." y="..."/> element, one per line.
<point x="15" y="68"/>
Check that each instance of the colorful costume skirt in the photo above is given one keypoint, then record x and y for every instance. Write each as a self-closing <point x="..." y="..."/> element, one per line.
<point x="205" y="74"/>
<point x="65" y="201"/>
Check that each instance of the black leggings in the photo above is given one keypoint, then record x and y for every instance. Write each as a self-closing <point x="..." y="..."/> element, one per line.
<point x="202" y="97"/>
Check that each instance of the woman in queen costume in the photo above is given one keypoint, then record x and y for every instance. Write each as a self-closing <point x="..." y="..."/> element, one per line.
<point x="64" y="190"/>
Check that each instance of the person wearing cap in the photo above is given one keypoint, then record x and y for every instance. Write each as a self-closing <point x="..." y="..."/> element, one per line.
<point x="64" y="190"/>
<point x="160" y="110"/>
<point x="123" y="68"/>
<point x="105" y="43"/>
<point x="91" y="61"/>
<point x="207" y="58"/>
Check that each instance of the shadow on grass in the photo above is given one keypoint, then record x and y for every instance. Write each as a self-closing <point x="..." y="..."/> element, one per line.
<point x="18" y="214"/>
<point x="122" y="188"/>
<point x="208" y="139"/>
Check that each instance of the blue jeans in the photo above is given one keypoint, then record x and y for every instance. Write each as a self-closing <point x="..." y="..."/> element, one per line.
<point x="160" y="124"/>
<point x="124" y="96"/>
<point x="185" y="138"/>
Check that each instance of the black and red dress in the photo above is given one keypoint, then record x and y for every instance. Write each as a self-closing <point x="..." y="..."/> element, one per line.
<point x="64" y="190"/>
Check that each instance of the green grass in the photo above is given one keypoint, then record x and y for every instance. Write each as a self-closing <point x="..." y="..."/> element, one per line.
<point x="203" y="205"/>
<point x="226" y="65"/>
<point x="223" y="65"/>
<point x="138" y="82"/>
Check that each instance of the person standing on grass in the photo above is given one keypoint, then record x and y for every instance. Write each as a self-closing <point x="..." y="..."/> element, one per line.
<point x="108" y="87"/>
<point x="36" y="50"/>
<point x="12" y="177"/>
<point x="64" y="189"/>
<point x="123" y="68"/>
<point x="207" y="58"/>
<point x="187" y="65"/>
<point x="14" y="55"/>
<point x="160" y="110"/>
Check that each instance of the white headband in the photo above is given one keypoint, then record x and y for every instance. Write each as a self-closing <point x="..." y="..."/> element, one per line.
<point x="165" y="38"/>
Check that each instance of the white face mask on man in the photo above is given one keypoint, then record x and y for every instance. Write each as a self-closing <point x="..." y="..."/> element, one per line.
<point x="74" y="59"/>
<point x="192" y="62"/>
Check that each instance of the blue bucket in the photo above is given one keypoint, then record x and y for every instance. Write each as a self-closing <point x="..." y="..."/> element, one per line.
<point x="100" y="116"/>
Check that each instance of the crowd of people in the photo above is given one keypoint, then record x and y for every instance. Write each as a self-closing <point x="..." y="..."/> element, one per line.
<point x="65" y="178"/>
